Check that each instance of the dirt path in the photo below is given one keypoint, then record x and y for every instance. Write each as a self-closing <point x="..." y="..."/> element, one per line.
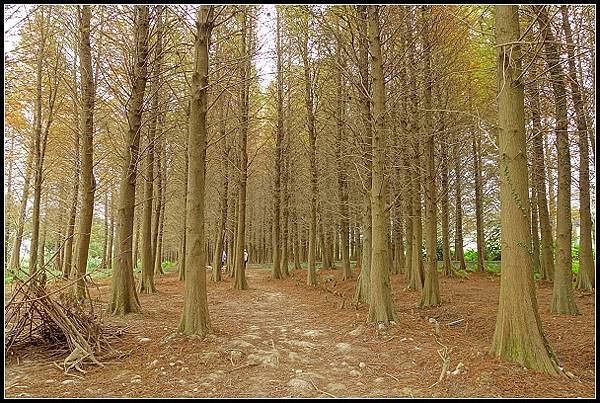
<point x="283" y="338"/>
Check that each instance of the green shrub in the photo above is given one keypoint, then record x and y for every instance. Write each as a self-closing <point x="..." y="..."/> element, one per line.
<point x="470" y="255"/>
<point x="575" y="266"/>
<point x="493" y="248"/>
<point x="575" y="251"/>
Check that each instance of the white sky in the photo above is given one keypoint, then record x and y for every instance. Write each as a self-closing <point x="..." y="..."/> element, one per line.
<point x="265" y="60"/>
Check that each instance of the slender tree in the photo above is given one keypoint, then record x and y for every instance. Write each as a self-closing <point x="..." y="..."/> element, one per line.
<point x="240" y="282"/>
<point x="586" y="273"/>
<point x="381" y="307"/>
<point x="430" y="295"/>
<point x="124" y="298"/>
<point x="563" y="300"/>
<point x="363" y="282"/>
<point x="88" y="181"/>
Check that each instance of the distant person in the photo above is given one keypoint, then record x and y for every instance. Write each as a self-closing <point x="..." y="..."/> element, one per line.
<point x="245" y="258"/>
<point x="223" y="259"/>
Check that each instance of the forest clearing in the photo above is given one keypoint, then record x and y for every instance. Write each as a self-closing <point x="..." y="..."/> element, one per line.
<point x="299" y="201"/>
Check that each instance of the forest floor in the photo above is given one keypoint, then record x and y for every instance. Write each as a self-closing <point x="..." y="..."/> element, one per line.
<point x="283" y="338"/>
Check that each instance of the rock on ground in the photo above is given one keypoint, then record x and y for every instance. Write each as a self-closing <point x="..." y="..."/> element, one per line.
<point x="343" y="347"/>
<point x="299" y="385"/>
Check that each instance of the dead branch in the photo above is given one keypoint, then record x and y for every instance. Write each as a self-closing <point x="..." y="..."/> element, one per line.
<point x="321" y="391"/>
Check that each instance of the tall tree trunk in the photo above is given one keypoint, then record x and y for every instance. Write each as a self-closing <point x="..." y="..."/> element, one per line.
<point x="41" y="251"/>
<point x="195" y="318"/>
<point x="586" y="274"/>
<point x="479" y="203"/>
<point x="535" y="232"/>
<point x="105" y="237"/>
<point x="312" y="135"/>
<point x="416" y="277"/>
<point x="8" y="199"/>
<point x="539" y="180"/>
<point x="551" y="185"/>
<point x="563" y="300"/>
<point x="57" y="250"/>
<point x="160" y="215"/>
<point x="14" y="264"/>
<point x="447" y="270"/>
<point x="342" y="180"/>
<point x="158" y="256"/>
<point x="407" y="207"/>
<point x="458" y="234"/>
<point x="430" y="294"/>
<point x="518" y="335"/>
<point x="181" y="263"/>
<point x="363" y="283"/>
<point x="124" y="298"/>
<point x="109" y="251"/>
<point x="285" y="213"/>
<point x="297" y="265"/>
<point x="220" y="233"/>
<point x="240" y="266"/>
<point x="37" y="150"/>
<point x="88" y="182"/>
<point x="381" y="304"/>
<point x="276" y="272"/>
<point x="136" y="239"/>
<point x="67" y="261"/>
<point x="146" y="284"/>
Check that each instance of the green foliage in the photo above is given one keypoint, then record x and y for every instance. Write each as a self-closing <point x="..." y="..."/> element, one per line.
<point x="575" y="266"/>
<point x="575" y="250"/>
<point x="439" y="251"/>
<point x="470" y="255"/>
<point x="168" y="266"/>
<point x="493" y="247"/>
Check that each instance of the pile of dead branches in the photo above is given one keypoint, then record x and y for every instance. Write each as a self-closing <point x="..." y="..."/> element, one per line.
<point x="36" y="316"/>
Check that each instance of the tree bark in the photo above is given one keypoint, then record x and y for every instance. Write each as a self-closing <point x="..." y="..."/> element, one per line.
<point x="311" y="278"/>
<point x="430" y="295"/>
<point x="160" y="216"/>
<point x="381" y="304"/>
<point x="479" y="203"/>
<point x="586" y="273"/>
<point x="181" y="262"/>
<point x="146" y="284"/>
<point x="109" y="251"/>
<point x="124" y="298"/>
<point x="535" y="232"/>
<point x="37" y="150"/>
<point x="14" y="264"/>
<point x="363" y="282"/>
<point x="539" y="180"/>
<point x="220" y="233"/>
<point x="458" y="234"/>
<point x="563" y="300"/>
<point x="518" y="335"/>
<point x="88" y="182"/>
<point x="276" y="272"/>
<point x="195" y="317"/>
<point x="240" y="282"/>
<point x="341" y="166"/>
<point x="447" y="270"/>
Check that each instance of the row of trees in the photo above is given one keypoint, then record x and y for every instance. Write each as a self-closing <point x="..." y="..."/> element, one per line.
<point x="377" y="133"/>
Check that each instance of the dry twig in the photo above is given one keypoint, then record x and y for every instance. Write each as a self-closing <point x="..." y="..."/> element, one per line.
<point x="321" y="391"/>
